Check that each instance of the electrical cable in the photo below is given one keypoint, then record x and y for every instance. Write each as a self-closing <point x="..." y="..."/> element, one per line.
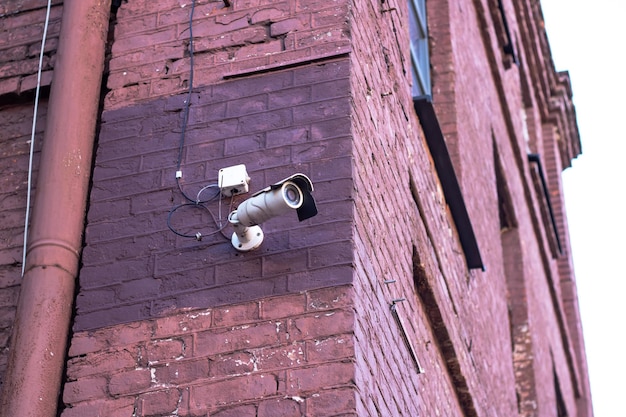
<point x="186" y="105"/>
<point x="32" y="135"/>
<point x="198" y="236"/>
<point x="191" y="202"/>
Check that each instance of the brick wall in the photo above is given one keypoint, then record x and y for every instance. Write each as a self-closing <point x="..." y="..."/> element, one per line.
<point x="139" y="278"/>
<point x="168" y="325"/>
<point x="277" y="124"/>
<point x="400" y="207"/>
<point x="16" y="121"/>
<point x="290" y="355"/>
<point x="150" y="52"/>
<point x="21" y="29"/>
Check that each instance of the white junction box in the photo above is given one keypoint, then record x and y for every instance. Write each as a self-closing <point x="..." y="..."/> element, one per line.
<point x="233" y="180"/>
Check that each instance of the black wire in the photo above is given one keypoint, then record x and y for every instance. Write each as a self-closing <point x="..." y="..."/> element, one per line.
<point x="171" y="213"/>
<point x="186" y="106"/>
<point x="195" y="202"/>
<point x="198" y="236"/>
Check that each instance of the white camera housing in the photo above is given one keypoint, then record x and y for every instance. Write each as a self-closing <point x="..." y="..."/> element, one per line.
<point x="292" y="193"/>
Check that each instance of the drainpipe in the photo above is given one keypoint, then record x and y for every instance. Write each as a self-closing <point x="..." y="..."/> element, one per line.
<point x="40" y="331"/>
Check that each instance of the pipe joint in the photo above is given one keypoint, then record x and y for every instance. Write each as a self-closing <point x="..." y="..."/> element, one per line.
<point x="55" y="253"/>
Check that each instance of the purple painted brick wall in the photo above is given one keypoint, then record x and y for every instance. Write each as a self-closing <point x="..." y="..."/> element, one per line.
<point x="277" y="124"/>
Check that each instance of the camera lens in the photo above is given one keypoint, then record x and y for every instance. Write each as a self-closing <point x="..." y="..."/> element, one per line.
<point x="292" y="195"/>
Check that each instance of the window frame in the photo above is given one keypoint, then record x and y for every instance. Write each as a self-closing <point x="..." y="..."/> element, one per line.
<point x="420" y="55"/>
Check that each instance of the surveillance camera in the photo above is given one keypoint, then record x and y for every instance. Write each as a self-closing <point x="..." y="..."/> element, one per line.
<point x="292" y="193"/>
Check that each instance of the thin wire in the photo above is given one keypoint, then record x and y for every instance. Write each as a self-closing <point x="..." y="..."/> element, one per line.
<point x="205" y="188"/>
<point x="32" y="134"/>
<point x="220" y="226"/>
<point x="187" y="101"/>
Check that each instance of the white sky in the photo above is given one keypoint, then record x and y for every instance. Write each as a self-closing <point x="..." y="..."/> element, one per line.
<point x="587" y="39"/>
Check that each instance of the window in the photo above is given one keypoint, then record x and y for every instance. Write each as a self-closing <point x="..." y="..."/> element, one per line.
<point x="420" y="62"/>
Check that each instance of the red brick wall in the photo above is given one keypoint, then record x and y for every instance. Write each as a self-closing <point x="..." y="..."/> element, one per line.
<point x="21" y="30"/>
<point x="290" y="355"/>
<point x="150" y="58"/>
<point x="138" y="277"/>
<point x="167" y="325"/>
<point x="400" y="206"/>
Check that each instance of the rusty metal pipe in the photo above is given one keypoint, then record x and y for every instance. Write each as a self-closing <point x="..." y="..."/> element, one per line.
<point x="38" y="345"/>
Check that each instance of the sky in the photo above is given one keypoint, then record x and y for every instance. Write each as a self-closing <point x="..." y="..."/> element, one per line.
<point x="586" y="38"/>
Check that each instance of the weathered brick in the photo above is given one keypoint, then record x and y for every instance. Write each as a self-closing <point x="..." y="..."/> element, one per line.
<point x="10" y="85"/>
<point x="181" y="372"/>
<point x="283" y="306"/>
<point x="218" y="28"/>
<point x="100" y="362"/>
<point x="147" y="22"/>
<point x="165" y="349"/>
<point x="280" y="357"/>
<point x="236" y="314"/>
<point x="129" y="313"/>
<point x="233" y="391"/>
<point x="51" y="45"/>
<point x="159" y="402"/>
<point x="243" y="144"/>
<point x="237" y="363"/>
<point x="22" y="67"/>
<point x="333" y="402"/>
<point x="291" y="97"/>
<point x="272" y="14"/>
<point x="162" y="52"/>
<point x="85" y="390"/>
<point x="130" y="381"/>
<point x="237" y="338"/>
<point x="139" y="289"/>
<point x="24" y="35"/>
<point x="285" y="407"/>
<point x="126" y="186"/>
<point x="288" y="25"/>
<point x="186" y="281"/>
<point x="331" y="169"/>
<point x="236" y="411"/>
<point x="328" y="375"/>
<point x="109" y="211"/>
<point x="143" y="40"/>
<point x="332" y="16"/>
<point x="119" y="407"/>
<point x="199" y="258"/>
<point x="322" y="325"/>
<point x="97" y="298"/>
<point x="328" y="349"/>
